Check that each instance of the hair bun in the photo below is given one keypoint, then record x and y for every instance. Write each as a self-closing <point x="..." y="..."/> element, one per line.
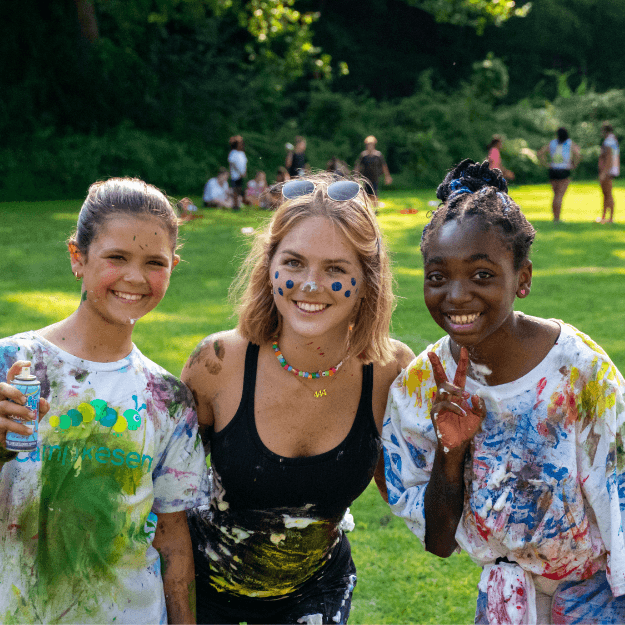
<point x="471" y="177"/>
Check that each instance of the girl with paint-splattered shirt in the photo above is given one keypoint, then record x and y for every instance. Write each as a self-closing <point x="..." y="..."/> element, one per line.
<point x="520" y="460"/>
<point x="92" y="522"/>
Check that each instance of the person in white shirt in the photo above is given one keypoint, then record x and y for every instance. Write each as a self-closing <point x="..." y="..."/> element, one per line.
<point x="609" y="168"/>
<point x="238" y="169"/>
<point x="217" y="192"/>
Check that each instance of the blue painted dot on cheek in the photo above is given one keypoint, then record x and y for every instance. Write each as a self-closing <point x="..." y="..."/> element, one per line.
<point x="348" y="293"/>
<point x="280" y="291"/>
<point x="277" y="274"/>
<point x="289" y="284"/>
<point x="337" y="286"/>
<point x="353" y="281"/>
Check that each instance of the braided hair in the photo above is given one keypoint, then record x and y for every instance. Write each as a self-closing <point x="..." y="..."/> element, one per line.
<point x="473" y="189"/>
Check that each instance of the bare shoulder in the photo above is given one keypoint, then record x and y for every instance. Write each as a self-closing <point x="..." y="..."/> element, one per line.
<point x="403" y="355"/>
<point x="215" y="353"/>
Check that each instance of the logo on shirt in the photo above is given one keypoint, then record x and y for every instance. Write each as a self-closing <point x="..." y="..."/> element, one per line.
<point x="98" y="410"/>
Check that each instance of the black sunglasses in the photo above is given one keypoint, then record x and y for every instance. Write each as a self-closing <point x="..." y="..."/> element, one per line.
<point x="339" y="191"/>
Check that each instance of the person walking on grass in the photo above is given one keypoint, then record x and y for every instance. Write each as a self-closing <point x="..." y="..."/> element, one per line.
<point x="93" y="520"/>
<point x="561" y="156"/>
<point x="291" y="403"/>
<point x="504" y="437"/>
<point x="609" y="168"/>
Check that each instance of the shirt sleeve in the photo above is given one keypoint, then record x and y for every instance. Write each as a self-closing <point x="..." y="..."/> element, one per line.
<point x="410" y="442"/>
<point x="181" y="476"/>
<point x="601" y="455"/>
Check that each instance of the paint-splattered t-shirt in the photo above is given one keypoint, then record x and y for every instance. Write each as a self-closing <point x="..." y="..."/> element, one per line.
<point x="544" y="483"/>
<point x="78" y="515"/>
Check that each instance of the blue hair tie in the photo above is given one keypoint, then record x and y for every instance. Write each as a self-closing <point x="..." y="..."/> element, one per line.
<point x="505" y="200"/>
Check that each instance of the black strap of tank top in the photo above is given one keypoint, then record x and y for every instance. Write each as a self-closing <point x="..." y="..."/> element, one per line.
<point x="249" y="375"/>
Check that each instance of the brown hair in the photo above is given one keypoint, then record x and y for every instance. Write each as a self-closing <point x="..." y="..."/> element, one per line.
<point x="259" y="319"/>
<point x="122" y="196"/>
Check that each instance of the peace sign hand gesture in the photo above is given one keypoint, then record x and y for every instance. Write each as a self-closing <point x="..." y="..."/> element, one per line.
<point x="455" y="420"/>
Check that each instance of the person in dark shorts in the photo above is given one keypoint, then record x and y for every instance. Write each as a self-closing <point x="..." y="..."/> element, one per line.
<point x="238" y="170"/>
<point x="561" y="156"/>
<point x="291" y="403"/>
<point x="371" y="165"/>
<point x="296" y="162"/>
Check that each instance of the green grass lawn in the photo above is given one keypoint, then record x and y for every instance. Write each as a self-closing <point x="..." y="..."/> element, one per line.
<point x="579" y="276"/>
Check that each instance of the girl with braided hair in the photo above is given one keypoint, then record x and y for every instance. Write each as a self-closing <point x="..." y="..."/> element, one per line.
<point x="519" y="461"/>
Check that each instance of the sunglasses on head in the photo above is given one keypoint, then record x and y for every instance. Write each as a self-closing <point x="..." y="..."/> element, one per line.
<point x="339" y="191"/>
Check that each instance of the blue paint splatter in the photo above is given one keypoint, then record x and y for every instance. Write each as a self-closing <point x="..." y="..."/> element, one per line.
<point x="353" y="281"/>
<point x="277" y="274"/>
<point x="337" y="286"/>
<point x="348" y="293"/>
<point x="280" y="291"/>
<point x="289" y="284"/>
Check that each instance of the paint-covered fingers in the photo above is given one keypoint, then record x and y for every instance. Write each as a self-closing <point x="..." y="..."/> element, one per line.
<point x="460" y="378"/>
<point x="440" y="377"/>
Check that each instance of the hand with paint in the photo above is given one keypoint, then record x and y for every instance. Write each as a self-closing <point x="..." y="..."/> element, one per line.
<point x="456" y="415"/>
<point x="12" y="405"/>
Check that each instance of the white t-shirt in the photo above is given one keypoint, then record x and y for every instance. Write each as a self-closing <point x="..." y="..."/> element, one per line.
<point x="238" y="164"/>
<point x="543" y="480"/>
<point x="610" y="143"/>
<point x="215" y="191"/>
<point x="78" y="515"/>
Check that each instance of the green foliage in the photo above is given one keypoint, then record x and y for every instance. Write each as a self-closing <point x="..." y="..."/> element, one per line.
<point x="476" y="13"/>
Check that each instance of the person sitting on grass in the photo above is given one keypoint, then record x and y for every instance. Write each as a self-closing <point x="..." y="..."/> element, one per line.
<point x="504" y="438"/>
<point x="255" y="194"/>
<point x="217" y="193"/>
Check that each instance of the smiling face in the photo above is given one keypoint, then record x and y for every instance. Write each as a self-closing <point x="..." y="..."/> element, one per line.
<point x="317" y="279"/>
<point x="127" y="268"/>
<point x="470" y="281"/>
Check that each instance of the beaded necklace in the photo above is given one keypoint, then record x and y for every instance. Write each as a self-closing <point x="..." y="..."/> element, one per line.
<point x="305" y="375"/>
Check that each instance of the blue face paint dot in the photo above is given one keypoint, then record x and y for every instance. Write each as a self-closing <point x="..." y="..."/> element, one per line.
<point x="353" y="281"/>
<point x="348" y="293"/>
<point x="280" y="291"/>
<point x="289" y="284"/>
<point x="277" y="274"/>
<point x="337" y="286"/>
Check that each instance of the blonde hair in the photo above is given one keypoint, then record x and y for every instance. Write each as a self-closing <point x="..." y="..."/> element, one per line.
<point x="371" y="139"/>
<point x="259" y="319"/>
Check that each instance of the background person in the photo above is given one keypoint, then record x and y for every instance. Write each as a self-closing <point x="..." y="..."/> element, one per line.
<point x="238" y="170"/>
<point x="519" y="460"/>
<point x="296" y="161"/>
<point x="217" y="192"/>
<point x="291" y="403"/>
<point x="609" y="168"/>
<point x="85" y="515"/>
<point x="255" y="194"/>
<point x="371" y="165"/>
<point x="561" y="156"/>
<point x="494" y="157"/>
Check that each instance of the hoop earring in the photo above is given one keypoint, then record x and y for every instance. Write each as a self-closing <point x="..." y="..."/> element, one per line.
<point x="76" y="276"/>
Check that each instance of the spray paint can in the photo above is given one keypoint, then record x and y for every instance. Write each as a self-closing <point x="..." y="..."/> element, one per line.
<point x="29" y="386"/>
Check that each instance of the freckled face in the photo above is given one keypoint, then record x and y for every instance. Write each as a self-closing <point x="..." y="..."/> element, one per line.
<point x="316" y="278"/>
<point x="470" y="282"/>
<point x="126" y="271"/>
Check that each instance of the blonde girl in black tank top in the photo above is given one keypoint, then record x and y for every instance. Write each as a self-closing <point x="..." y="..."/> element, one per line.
<point x="291" y="402"/>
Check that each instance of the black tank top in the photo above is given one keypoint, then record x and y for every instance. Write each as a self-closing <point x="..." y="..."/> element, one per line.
<point x="254" y="477"/>
<point x="273" y="522"/>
